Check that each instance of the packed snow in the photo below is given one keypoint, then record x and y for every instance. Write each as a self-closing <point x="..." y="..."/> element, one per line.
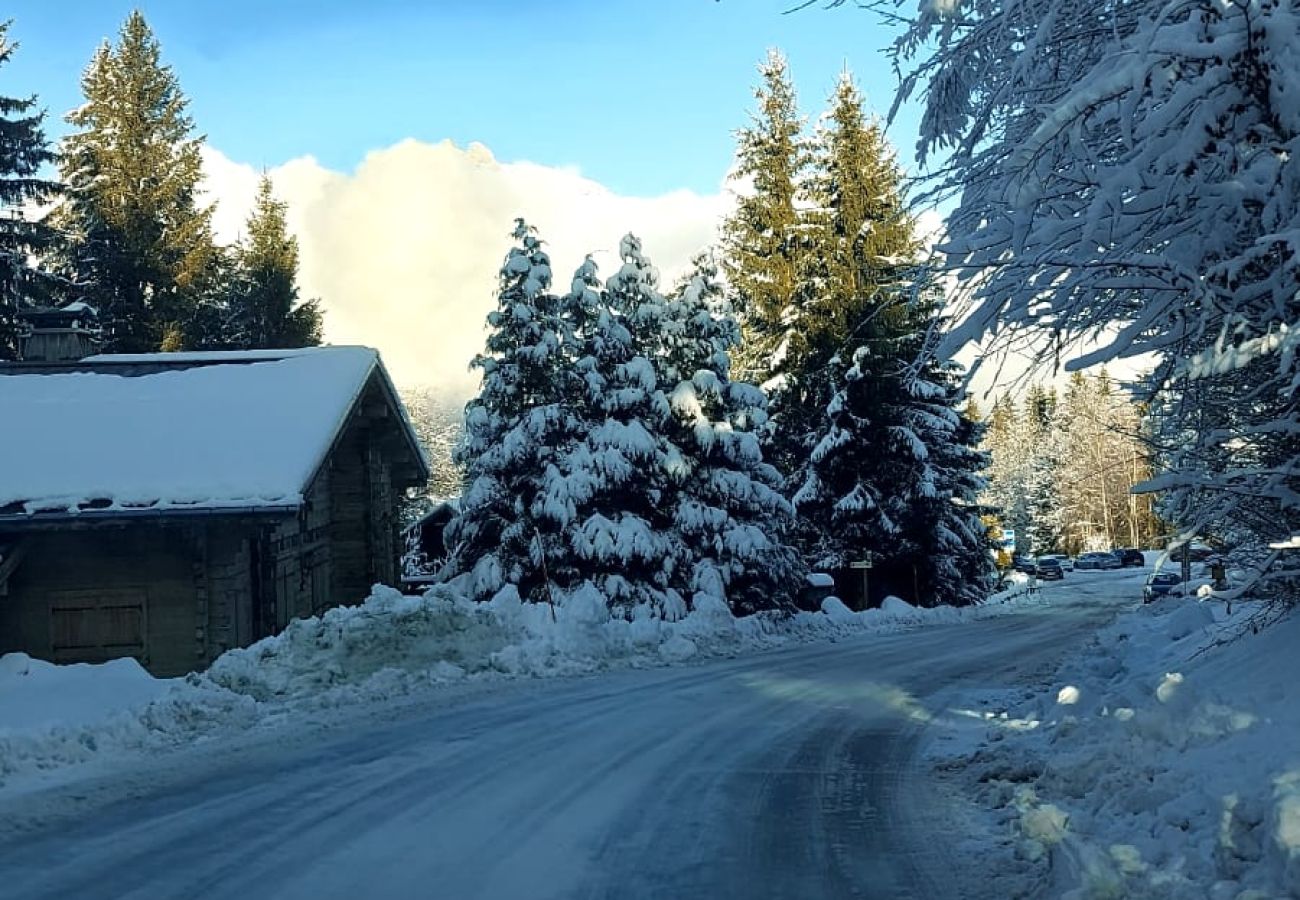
<point x="392" y="645"/>
<point x="1159" y="761"/>
<point x="180" y="437"/>
<point x="35" y="694"/>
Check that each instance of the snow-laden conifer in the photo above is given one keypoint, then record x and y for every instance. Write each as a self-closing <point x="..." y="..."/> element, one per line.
<point x="510" y="432"/>
<point x="615" y="475"/>
<point x="895" y="472"/>
<point x="727" y="503"/>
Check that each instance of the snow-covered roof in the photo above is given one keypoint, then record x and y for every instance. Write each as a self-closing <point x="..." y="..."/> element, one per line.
<point x="173" y="432"/>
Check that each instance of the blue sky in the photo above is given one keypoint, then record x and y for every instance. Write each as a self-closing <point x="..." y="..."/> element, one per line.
<point x="642" y="97"/>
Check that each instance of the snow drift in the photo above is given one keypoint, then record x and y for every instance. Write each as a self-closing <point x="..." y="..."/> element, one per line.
<point x="1160" y="761"/>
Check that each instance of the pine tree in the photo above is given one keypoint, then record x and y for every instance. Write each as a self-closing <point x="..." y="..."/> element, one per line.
<point x="138" y="243"/>
<point x="616" y="475"/>
<point x="859" y="246"/>
<point x="1008" y="442"/>
<point x="760" y="239"/>
<point x="895" y="470"/>
<point x="953" y="553"/>
<point x="508" y="444"/>
<point x="728" y="505"/>
<point x="23" y="150"/>
<point x="1041" y="487"/>
<point x="609" y="449"/>
<point x="262" y="307"/>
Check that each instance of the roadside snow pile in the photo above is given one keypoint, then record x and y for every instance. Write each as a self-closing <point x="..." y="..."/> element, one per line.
<point x="52" y="716"/>
<point x="1150" y="766"/>
<point x="390" y="646"/>
<point x="35" y="693"/>
<point x="441" y="636"/>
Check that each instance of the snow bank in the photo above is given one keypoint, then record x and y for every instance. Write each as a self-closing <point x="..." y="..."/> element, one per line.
<point x="389" y="646"/>
<point x="36" y="694"/>
<point x="52" y="716"/>
<point x="1161" y="761"/>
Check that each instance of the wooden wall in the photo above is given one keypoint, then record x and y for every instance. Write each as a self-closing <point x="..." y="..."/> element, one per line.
<point x="96" y="594"/>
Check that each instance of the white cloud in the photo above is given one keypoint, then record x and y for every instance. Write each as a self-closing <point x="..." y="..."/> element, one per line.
<point x="404" y="251"/>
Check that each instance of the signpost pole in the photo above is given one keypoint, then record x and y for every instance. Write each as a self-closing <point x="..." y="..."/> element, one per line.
<point x="865" y="565"/>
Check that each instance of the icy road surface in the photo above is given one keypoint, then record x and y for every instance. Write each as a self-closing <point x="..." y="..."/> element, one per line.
<point x="790" y="774"/>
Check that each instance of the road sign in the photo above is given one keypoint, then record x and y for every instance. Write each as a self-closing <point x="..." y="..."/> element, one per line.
<point x="861" y="563"/>
<point x="1008" y="539"/>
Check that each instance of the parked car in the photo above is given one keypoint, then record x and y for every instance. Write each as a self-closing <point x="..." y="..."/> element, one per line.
<point x="1098" y="560"/>
<point x="1050" y="569"/>
<point x="1159" y="585"/>
<point x="1023" y="563"/>
<point x="1128" y="556"/>
<point x="1066" y="563"/>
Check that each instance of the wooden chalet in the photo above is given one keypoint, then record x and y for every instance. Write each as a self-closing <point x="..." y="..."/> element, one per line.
<point x="172" y="506"/>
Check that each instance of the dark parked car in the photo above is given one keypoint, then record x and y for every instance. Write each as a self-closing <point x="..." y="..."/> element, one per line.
<point x="1159" y="585"/>
<point x="1026" y="564"/>
<point x="1128" y="556"/>
<point x="1098" y="560"/>
<point x="1050" y="569"/>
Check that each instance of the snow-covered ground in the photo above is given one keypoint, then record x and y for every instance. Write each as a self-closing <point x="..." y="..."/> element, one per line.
<point x="391" y="646"/>
<point x="1162" y="759"/>
<point x="779" y="773"/>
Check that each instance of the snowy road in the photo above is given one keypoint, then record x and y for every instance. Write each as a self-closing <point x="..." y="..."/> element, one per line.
<point x="788" y="774"/>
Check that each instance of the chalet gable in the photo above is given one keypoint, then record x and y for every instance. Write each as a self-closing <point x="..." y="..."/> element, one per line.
<point x="120" y="436"/>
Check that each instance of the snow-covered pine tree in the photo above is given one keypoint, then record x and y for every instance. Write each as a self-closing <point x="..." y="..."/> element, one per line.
<point x="613" y="481"/>
<point x="511" y="434"/>
<point x="23" y="150"/>
<point x="727" y="503"/>
<point x="1042" y="487"/>
<point x="1007" y="443"/>
<point x="895" y="472"/>
<point x="953" y="550"/>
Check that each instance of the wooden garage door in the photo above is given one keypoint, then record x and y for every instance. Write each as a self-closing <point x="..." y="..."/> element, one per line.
<point x="96" y="625"/>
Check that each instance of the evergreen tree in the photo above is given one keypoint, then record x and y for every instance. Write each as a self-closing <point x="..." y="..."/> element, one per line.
<point x="262" y="307"/>
<point x="895" y="471"/>
<point x="760" y="239"/>
<point x="609" y="448"/>
<point x="508" y="440"/>
<point x="1009" y="446"/>
<point x="728" y="507"/>
<point x="136" y="240"/>
<point x="1042" y="488"/>
<point x="616" y="475"/>
<point x="953" y="552"/>
<point x="859" y="247"/>
<point x="23" y="150"/>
